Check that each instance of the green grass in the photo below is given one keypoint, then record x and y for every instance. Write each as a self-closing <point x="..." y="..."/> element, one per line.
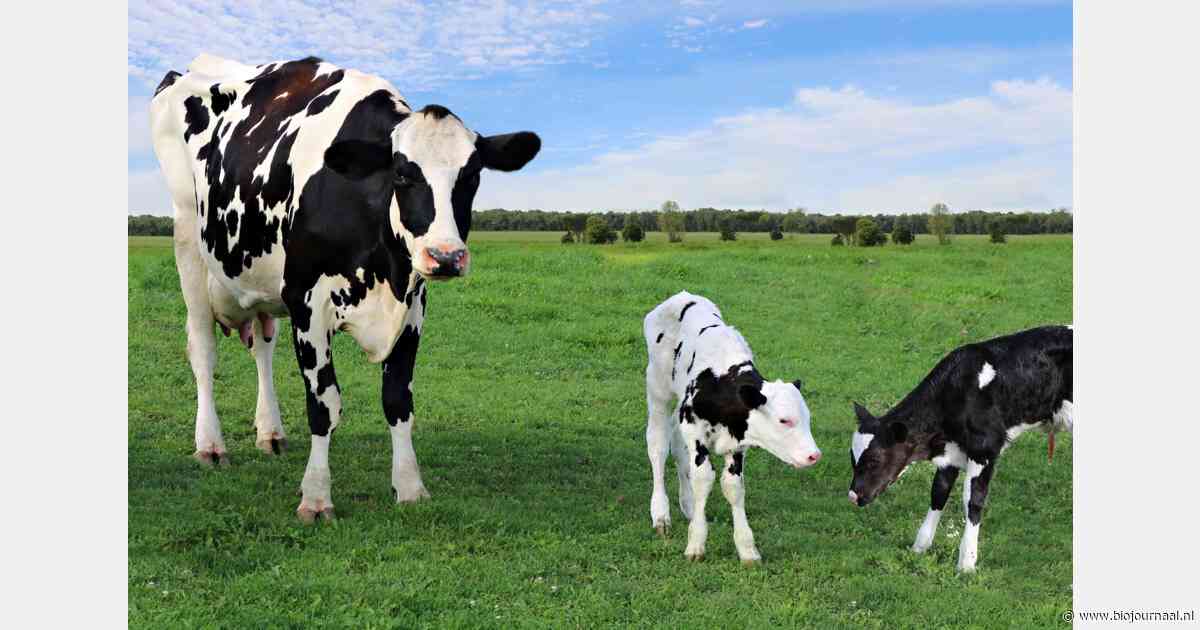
<point x="530" y="433"/>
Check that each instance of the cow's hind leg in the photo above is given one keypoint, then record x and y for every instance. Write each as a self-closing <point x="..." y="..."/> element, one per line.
<point x="324" y="404"/>
<point x="658" y="440"/>
<point x="201" y="347"/>
<point x="407" y="486"/>
<point x="943" y="482"/>
<point x="268" y="425"/>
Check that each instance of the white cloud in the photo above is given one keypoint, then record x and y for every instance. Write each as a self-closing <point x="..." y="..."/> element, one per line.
<point x="692" y="22"/>
<point x="414" y="44"/>
<point x="752" y="24"/>
<point x="834" y="149"/>
<point x="148" y="193"/>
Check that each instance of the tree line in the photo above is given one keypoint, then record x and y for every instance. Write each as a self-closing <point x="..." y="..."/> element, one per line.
<point x="1058" y="221"/>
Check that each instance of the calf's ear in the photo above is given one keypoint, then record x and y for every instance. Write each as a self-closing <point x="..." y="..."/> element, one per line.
<point x="797" y="384"/>
<point x="865" y="419"/>
<point x="899" y="431"/>
<point x="508" y="152"/>
<point x="356" y="159"/>
<point x="751" y="396"/>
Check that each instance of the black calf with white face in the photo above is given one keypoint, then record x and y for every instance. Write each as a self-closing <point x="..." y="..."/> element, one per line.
<point x="976" y="401"/>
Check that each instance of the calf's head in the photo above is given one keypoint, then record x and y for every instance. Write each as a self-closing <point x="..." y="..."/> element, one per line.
<point x="434" y="163"/>
<point x="773" y="415"/>
<point x="879" y="452"/>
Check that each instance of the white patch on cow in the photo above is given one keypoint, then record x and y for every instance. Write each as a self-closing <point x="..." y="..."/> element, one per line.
<point x="745" y="368"/>
<point x="406" y="475"/>
<point x="927" y="531"/>
<point x="1015" y="432"/>
<point x="986" y="375"/>
<point x="951" y="456"/>
<point x="968" y="548"/>
<point x="859" y="443"/>
<point x="359" y="274"/>
<point x="1064" y="418"/>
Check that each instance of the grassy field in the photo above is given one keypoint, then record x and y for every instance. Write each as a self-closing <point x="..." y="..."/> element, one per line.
<point x="530" y="433"/>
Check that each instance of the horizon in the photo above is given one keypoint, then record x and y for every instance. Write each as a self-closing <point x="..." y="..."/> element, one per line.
<point x="891" y="105"/>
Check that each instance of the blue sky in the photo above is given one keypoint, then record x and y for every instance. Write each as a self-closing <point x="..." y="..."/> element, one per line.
<point x="852" y="106"/>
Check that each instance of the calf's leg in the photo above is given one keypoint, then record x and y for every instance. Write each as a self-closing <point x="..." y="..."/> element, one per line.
<point x="658" y="440"/>
<point x="324" y="405"/>
<point x="407" y="486"/>
<point x="943" y="481"/>
<point x="975" y="489"/>
<point x="734" y="490"/>
<point x="702" y="481"/>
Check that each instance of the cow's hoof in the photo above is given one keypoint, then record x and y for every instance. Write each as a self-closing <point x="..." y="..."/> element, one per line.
<point x="411" y="495"/>
<point x="663" y="529"/>
<point x="274" y="444"/>
<point x="694" y="556"/>
<point x="212" y="458"/>
<point x="309" y="516"/>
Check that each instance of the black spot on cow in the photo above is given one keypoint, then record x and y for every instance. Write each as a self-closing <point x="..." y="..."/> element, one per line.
<point x="727" y="400"/>
<point x="397" y="375"/>
<point x="195" y="115"/>
<point x="231" y="220"/>
<point x="706" y="328"/>
<point x="437" y="112"/>
<point x="685" y="309"/>
<point x="319" y="104"/>
<point x="167" y="81"/>
<point x="659" y="338"/>
<point x="701" y="453"/>
<point x="220" y="102"/>
<point x="735" y="467"/>
<point x="692" y="364"/>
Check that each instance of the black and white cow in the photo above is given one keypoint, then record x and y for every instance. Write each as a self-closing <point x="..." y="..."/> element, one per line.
<point x="973" y="404"/>
<point x="306" y="190"/>
<point x="724" y="407"/>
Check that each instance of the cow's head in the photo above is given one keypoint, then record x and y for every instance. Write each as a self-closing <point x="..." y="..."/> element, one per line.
<point x="434" y="161"/>
<point x="879" y="452"/>
<point x="776" y="416"/>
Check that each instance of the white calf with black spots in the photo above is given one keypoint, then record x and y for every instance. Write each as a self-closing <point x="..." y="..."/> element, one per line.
<point x="962" y="416"/>
<point x="304" y="190"/>
<point x="723" y="406"/>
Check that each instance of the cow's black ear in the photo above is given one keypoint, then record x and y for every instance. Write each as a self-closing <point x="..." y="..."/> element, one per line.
<point x="899" y="431"/>
<point x="751" y="396"/>
<point x="798" y="384"/>
<point x="508" y="152"/>
<point x="865" y="419"/>
<point x="356" y="159"/>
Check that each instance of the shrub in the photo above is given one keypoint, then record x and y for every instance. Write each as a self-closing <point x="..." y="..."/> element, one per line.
<point x="939" y="223"/>
<point x="727" y="231"/>
<point x="997" y="233"/>
<point x="567" y="238"/>
<point x="597" y="231"/>
<point x="868" y="234"/>
<point x="902" y="235"/>
<point x="776" y="235"/>
<point x="672" y="221"/>
<point x="837" y="240"/>
<point x="632" y="232"/>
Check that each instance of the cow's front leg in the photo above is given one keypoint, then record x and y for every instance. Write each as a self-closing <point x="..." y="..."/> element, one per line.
<point x="268" y="425"/>
<point x="702" y="482"/>
<point x="734" y="490"/>
<point x="943" y="481"/>
<point x="398" y="409"/>
<point x="975" y="489"/>
<point x="324" y="402"/>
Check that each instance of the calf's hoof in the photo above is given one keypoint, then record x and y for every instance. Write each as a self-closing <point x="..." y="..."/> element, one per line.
<point x="663" y="529"/>
<point x="212" y="458"/>
<point x="274" y="444"/>
<point x="410" y="495"/>
<point x="309" y="516"/>
<point x="694" y="556"/>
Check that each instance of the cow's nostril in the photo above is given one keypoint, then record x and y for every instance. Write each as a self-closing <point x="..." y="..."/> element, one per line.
<point x="814" y="458"/>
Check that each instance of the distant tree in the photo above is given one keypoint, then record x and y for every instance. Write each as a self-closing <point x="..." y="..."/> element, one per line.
<point x="868" y="234"/>
<point x="576" y="223"/>
<point x="795" y="221"/>
<point x="776" y="234"/>
<point x="940" y="223"/>
<point x="567" y="238"/>
<point x="901" y="235"/>
<point x="996" y="232"/>
<point x="837" y="240"/>
<point x="597" y="231"/>
<point x="671" y="221"/>
<point x="632" y="232"/>
<point x="844" y="227"/>
<point x="150" y="225"/>
<point x="728" y="233"/>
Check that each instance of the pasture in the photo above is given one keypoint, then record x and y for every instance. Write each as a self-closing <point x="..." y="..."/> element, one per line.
<point x="530" y="428"/>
